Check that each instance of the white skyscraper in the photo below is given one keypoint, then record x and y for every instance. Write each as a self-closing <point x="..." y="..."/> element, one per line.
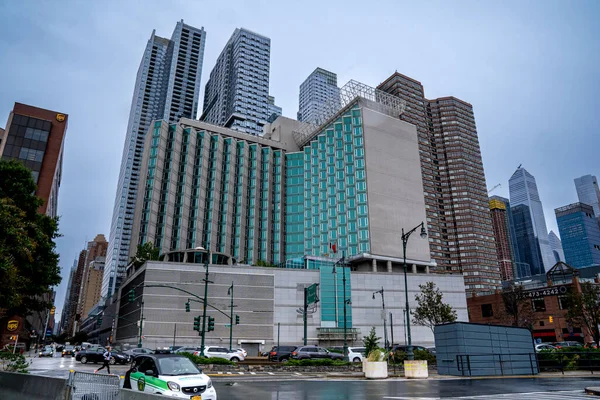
<point x="588" y="192"/>
<point x="317" y="90"/>
<point x="167" y="87"/>
<point x="236" y="95"/>
<point x="556" y="245"/>
<point x="523" y="191"/>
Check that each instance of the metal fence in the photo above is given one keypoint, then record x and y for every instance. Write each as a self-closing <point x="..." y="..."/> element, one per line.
<point x="569" y="361"/>
<point x="87" y="386"/>
<point x="497" y="364"/>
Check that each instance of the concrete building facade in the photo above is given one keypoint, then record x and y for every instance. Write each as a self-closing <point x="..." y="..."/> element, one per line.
<point x="461" y="238"/>
<point x="265" y="297"/>
<point x="35" y="137"/>
<point x="580" y="234"/>
<point x="319" y="90"/>
<point x="167" y="87"/>
<point x="89" y="293"/>
<point x="237" y="92"/>
<point x="523" y="191"/>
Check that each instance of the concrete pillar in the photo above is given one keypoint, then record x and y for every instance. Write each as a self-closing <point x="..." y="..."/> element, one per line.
<point x="389" y="266"/>
<point x="427" y="269"/>
<point x="414" y="268"/>
<point x="374" y="263"/>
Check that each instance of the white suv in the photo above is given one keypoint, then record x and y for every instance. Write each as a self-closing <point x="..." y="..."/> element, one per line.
<point x="356" y="354"/>
<point x="222" y="352"/>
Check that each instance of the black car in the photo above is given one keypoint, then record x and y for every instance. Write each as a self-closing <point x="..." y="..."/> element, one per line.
<point x="312" y="352"/>
<point x="281" y="353"/>
<point x="68" y="351"/>
<point x="403" y="349"/>
<point x="96" y="355"/>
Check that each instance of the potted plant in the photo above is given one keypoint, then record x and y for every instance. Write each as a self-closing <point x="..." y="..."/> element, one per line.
<point x="375" y="367"/>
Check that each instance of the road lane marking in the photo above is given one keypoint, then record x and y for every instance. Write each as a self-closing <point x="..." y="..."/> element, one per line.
<point x="560" y="395"/>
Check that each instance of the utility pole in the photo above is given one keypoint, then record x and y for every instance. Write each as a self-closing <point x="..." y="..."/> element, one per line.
<point x="141" y="324"/>
<point x="174" y="334"/>
<point x="304" y="314"/>
<point x="392" y="329"/>
<point x="230" y="291"/>
<point x="203" y="333"/>
<point x="383" y="314"/>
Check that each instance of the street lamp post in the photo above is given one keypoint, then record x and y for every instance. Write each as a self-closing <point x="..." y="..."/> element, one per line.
<point x="141" y="323"/>
<point x="206" y="281"/>
<point x="385" y="340"/>
<point x="230" y="292"/>
<point x="342" y="261"/>
<point x="409" y="349"/>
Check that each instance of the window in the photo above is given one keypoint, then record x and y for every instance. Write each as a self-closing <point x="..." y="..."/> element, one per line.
<point x="563" y="302"/>
<point x="31" y="154"/>
<point x="539" y="305"/>
<point x="487" y="310"/>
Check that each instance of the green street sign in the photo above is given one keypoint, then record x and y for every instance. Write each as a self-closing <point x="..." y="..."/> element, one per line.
<point x="311" y="294"/>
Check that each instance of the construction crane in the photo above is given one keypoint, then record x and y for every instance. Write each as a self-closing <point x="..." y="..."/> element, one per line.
<point x="494" y="188"/>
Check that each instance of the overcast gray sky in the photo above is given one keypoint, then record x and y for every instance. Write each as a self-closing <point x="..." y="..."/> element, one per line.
<point x="530" y="69"/>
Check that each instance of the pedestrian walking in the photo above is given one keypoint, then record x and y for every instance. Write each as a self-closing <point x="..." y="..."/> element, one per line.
<point x="107" y="356"/>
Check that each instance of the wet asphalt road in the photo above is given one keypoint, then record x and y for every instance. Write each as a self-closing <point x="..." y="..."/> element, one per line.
<point x="536" y="388"/>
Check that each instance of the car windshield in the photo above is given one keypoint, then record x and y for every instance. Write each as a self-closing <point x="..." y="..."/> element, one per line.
<point x="177" y="366"/>
<point x="69" y="348"/>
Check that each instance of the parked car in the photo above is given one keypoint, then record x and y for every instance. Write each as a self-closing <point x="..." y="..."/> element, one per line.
<point x="97" y="355"/>
<point x="187" y="349"/>
<point x="544" y="346"/>
<point x="47" y="351"/>
<point x="312" y="352"/>
<point x="221" y="352"/>
<point x="171" y="375"/>
<point x="174" y="349"/>
<point x="244" y="352"/>
<point x="137" y="351"/>
<point x="403" y="348"/>
<point x="560" y="345"/>
<point x="431" y="350"/>
<point x="68" y="351"/>
<point x="356" y="354"/>
<point x="281" y="353"/>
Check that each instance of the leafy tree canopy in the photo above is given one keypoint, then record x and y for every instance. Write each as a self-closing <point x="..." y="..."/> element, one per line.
<point x="145" y="252"/>
<point x="584" y="309"/>
<point x="431" y="309"/>
<point x="28" y="258"/>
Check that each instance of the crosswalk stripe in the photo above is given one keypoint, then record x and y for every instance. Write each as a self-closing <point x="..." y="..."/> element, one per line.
<point x="252" y="373"/>
<point x="562" y="395"/>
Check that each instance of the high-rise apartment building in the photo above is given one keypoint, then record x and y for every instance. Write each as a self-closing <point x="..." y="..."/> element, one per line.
<point x="96" y="254"/>
<point x="556" y="246"/>
<point x="72" y="317"/>
<point x="64" y="316"/>
<point x="523" y="191"/>
<point x="237" y="92"/>
<point x="580" y="234"/>
<point x="319" y="90"/>
<point x="458" y="218"/>
<point x="274" y="110"/>
<point x="588" y="192"/>
<point x="167" y="87"/>
<point x="285" y="195"/>
<point x="35" y="137"/>
<point x="501" y="226"/>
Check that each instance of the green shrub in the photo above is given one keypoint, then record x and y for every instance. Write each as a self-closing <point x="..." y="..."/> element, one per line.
<point x="13" y="363"/>
<point x="208" y="360"/>
<point x="316" y="362"/>
<point x="425" y="355"/>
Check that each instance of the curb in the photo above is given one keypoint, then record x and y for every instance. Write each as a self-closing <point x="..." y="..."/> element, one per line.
<point x="593" y="390"/>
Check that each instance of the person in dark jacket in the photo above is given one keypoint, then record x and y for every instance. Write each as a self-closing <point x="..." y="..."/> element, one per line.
<point x="106" y="356"/>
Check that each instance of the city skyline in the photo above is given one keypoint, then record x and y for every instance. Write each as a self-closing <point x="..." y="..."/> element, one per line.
<point x="111" y="83"/>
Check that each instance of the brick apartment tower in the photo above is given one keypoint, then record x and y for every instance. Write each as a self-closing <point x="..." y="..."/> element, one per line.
<point x="461" y="237"/>
<point x="91" y="281"/>
<point x="502" y="236"/>
<point x="35" y="136"/>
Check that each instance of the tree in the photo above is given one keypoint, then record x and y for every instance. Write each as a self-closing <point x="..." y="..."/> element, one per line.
<point x="517" y="310"/>
<point x="28" y="260"/>
<point x="584" y="309"/>
<point x="371" y="342"/>
<point x="431" y="309"/>
<point x="145" y="252"/>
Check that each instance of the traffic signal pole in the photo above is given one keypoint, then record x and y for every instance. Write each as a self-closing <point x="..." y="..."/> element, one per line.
<point x="203" y="333"/>
<point x="231" y="321"/>
<point x="141" y="324"/>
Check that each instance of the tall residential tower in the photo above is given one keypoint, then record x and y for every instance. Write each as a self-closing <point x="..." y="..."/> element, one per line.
<point x="523" y="191"/>
<point x="588" y="192"/>
<point x="316" y="91"/>
<point x="167" y="87"/>
<point x="236" y="95"/>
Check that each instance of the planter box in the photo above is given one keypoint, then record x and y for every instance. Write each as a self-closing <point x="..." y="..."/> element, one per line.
<point x="415" y="369"/>
<point x="375" y="369"/>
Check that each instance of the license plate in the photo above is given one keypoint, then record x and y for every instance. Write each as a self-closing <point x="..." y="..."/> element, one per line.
<point x="196" y="398"/>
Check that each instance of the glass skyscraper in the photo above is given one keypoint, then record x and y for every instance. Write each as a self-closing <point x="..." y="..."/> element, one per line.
<point x="588" y="192"/>
<point x="556" y="245"/>
<point x="523" y="191"/>
<point x="319" y="89"/>
<point x="580" y="234"/>
<point x="274" y="110"/>
<point x="167" y="87"/>
<point x="236" y="95"/>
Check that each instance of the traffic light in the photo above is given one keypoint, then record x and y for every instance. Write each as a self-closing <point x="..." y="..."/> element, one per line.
<point x="211" y="324"/>
<point x="551" y="319"/>
<point x="52" y="310"/>
<point x="187" y="306"/>
<point x="237" y="319"/>
<point x="99" y="321"/>
<point x="197" y="323"/>
<point x="131" y="296"/>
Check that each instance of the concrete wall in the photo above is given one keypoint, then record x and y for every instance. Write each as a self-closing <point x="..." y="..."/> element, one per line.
<point x="15" y="386"/>
<point x="267" y="296"/>
<point x="394" y="185"/>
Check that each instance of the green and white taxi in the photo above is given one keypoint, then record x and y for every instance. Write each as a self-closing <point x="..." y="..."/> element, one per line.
<point x="169" y="375"/>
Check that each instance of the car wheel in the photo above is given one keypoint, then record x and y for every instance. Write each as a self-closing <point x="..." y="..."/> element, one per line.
<point x="112" y="361"/>
<point x="84" y="360"/>
<point x="356" y="360"/>
<point x="234" y="359"/>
